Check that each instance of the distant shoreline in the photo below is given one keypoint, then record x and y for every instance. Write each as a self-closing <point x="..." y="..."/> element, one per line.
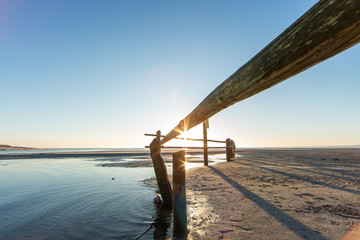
<point x="86" y="154"/>
<point x="4" y="147"/>
<point x="136" y="152"/>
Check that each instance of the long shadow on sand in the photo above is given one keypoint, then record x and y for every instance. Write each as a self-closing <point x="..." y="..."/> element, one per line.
<point x="314" y="165"/>
<point x="281" y="164"/>
<point x="308" y="163"/>
<point x="303" y="179"/>
<point x="291" y="223"/>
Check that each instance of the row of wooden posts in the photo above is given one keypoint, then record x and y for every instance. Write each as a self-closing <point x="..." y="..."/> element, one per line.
<point x="230" y="145"/>
<point x="175" y="197"/>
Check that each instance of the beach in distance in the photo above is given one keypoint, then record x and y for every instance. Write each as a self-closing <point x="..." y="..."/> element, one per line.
<point x="261" y="194"/>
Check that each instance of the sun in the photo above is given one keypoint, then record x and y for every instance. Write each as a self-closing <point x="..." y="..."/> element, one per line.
<point x="185" y="134"/>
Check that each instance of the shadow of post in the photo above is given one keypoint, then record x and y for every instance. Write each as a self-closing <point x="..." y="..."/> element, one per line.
<point x="279" y="164"/>
<point x="291" y="223"/>
<point x="162" y="222"/>
<point x="161" y="227"/>
<point x="301" y="178"/>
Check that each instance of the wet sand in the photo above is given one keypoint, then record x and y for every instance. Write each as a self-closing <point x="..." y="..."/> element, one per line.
<point x="266" y="194"/>
<point x="113" y="158"/>
<point x="277" y="194"/>
<point x="87" y="154"/>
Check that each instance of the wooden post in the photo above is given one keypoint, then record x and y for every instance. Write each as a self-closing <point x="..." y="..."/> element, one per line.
<point x="179" y="208"/>
<point x="158" y="135"/>
<point x="161" y="174"/>
<point x="228" y="150"/>
<point x="233" y="148"/>
<point x="205" y="126"/>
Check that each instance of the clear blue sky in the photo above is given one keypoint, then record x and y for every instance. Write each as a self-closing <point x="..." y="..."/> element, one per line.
<point x="102" y="73"/>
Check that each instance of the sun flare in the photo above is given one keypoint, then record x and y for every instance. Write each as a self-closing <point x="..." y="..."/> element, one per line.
<point x="185" y="135"/>
<point x="187" y="166"/>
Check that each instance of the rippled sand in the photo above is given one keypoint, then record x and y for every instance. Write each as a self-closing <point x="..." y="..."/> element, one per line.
<point x="277" y="194"/>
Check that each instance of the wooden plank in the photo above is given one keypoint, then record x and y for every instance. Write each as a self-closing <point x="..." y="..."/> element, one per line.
<point x="191" y="139"/>
<point x="161" y="174"/>
<point x="325" y="30"/>
<point x="178" y="147"/>
<point x="179" y="208"/>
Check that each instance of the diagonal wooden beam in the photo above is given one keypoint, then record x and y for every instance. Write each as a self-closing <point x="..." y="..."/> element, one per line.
<point x="328" y="28"/>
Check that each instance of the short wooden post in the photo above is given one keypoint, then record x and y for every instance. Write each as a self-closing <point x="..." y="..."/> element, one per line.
<point x="179" y="208"/>
<point x="233" y="148"/>
<point x="161" y="174"/>
<point x="158" y="135"/>
<point x="228" y="149"/>
<point x="205" y="126"/>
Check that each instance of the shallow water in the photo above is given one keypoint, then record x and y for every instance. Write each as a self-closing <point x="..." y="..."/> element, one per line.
<point x="75" y="198"/>
<point x="72" y="198"/>
<point x="58" y="150"/>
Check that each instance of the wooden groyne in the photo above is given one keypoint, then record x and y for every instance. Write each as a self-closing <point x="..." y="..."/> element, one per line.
<point x="328" y="28"/>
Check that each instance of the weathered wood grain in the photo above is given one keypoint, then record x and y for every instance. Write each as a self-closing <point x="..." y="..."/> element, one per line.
<point x="328" y="28"/>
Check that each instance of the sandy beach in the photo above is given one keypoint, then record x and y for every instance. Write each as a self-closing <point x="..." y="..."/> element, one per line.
<point x="277" y="194"/>
<point x="262" y="194"/>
